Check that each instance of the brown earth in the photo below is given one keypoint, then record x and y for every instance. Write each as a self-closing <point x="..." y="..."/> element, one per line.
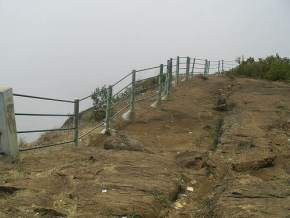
<point x="217" y="148"/>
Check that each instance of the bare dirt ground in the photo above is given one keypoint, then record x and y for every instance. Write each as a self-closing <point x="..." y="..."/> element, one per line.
<point x="217" y="148"/>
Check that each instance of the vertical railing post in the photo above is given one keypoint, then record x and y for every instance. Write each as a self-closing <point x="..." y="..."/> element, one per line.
<point x="208" y="67"/>
<point x="219" y="67"/>
<point x="76" y="121"/>
<point x="193" y="65"/>
<point x="108" y="111"/>
<point x="133" y="90"/>
<point x="130" y="114"/>
<point x="8" y="135"/>
<point x="167" y="81"/>
<point x="170" y="74"/>
<point x="205" y="67"/>
<point x="160" y="88"/>
<point x="177" y="69"/>
<point x="168" y="78"/>
<point x="187" y="67"/>
<point x="222" y="66"/>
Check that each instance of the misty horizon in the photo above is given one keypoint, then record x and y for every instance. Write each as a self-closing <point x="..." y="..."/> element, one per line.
<point x="65" y="49"/>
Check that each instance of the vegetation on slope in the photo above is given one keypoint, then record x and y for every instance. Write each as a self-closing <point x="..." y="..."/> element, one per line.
<point x="270" y="68"/>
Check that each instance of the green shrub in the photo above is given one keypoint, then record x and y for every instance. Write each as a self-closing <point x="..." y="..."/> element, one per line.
<point x="271" y="68"/>
<point x="99" y="98"/>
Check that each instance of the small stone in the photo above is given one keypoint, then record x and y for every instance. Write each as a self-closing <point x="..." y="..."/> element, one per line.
<point x="190" y="189"/>
<point x="104" y="190"/>
<point x="193" y="182"/>
<point x="178" y="205"/>
<point x="183" y="195"/>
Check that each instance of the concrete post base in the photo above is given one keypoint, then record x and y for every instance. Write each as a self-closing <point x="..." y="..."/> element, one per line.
<point x="129" y="116"/>
<point x="156" y="104"/>
<point x="165" y="98"/>
<point x="105" y="132"/>
<point x="108" y="131"/>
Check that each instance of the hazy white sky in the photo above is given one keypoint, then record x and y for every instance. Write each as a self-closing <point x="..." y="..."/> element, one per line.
<point x="65" y="48"/>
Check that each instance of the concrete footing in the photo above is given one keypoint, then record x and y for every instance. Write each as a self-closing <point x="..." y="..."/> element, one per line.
<point x="129" y="116"/>
<point x="156" y="104"/>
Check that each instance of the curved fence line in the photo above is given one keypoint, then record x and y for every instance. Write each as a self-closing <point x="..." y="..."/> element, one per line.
<point x="163" y="89"/>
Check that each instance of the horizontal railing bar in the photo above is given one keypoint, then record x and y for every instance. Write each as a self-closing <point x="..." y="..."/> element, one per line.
<point x="201" y="64"/>
<point x="42" y="98"/>
<point x="147" y="78"/>
<point x="45" y="130"/>
<point x="89" y="108"/>
<point x="200" y="59"/>
<point x="44" y="146"/>
<point x="230" y="64"/>
<point x="229" y="61"/>
<point x="82" y="99"/>
<point x="150" y="68"/>
<point x="44" y="115"/>
<point x="117" y="113"/>
<point x="122" y="90"/>
<point x="124" y="77"/>
<point x="91" y="130"/>
<point x="147" y="97"/>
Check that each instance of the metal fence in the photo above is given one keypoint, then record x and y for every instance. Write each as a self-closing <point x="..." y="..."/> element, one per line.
<point x="124" y="94"/>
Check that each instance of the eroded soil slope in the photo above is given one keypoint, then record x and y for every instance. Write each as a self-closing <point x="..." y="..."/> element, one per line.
<point x="217" y="148"/>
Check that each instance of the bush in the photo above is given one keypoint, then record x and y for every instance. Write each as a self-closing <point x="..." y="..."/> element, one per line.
<point x="99" y="98"/>
<point x="271" y="68"/>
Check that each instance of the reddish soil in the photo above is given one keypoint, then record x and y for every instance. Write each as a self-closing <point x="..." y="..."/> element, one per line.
<point x="217" y="148"/>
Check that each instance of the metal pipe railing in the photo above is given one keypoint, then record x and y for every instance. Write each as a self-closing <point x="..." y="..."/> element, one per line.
<point x="44" y="146"/>
<point x="91" y="130"/>
<point x="120" y="80"/>
<point x="164" y="87"/>
<point x="45" y="130"/>
<point x="44" y="115"/>
<point x="122" y="89"/>
<point x="145" y="69"/>
<point x="84" y="98"/>
<point x="42" y="98"/>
